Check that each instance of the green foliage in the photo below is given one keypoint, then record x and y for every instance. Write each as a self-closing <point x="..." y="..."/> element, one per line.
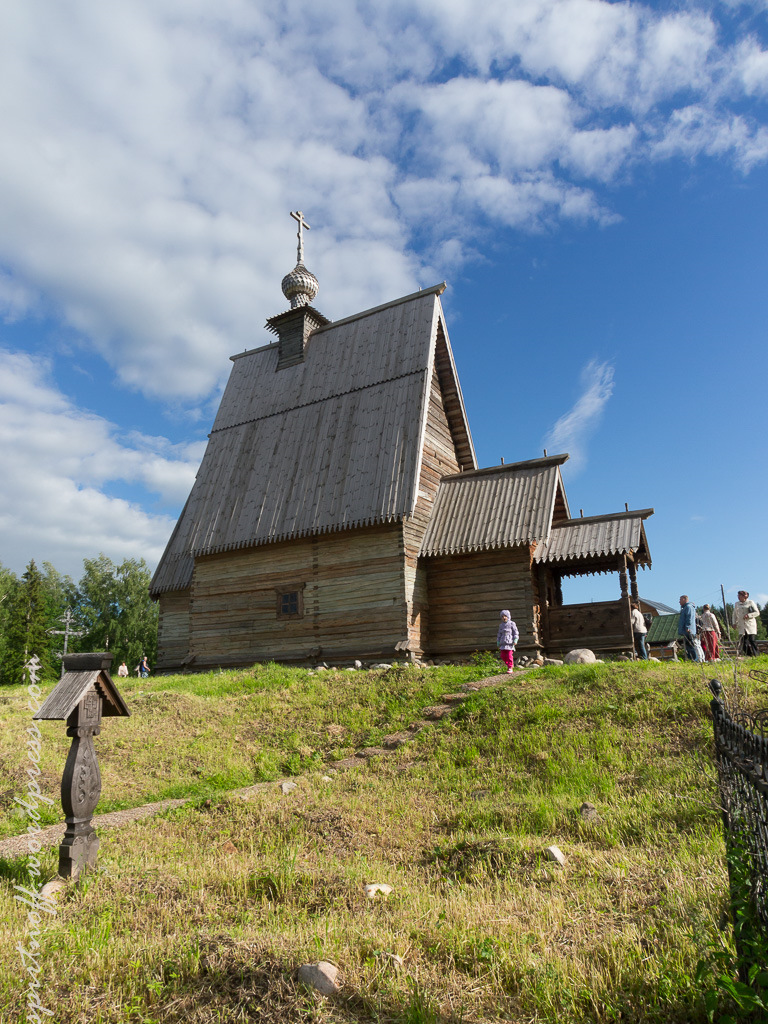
<point x="739" y="972"/>
<point x="487" y="661"/>
<point x="116" y="611"/>
<point x="32" y="608"/>
<point x="111" y="604"/>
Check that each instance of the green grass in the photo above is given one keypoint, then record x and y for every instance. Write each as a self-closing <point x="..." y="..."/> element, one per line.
<point x="203" y="914"/>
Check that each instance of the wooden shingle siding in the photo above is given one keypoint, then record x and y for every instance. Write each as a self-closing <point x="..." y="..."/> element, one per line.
<point x="353" y="600"/>
<point x="466" y="594"/>
<point x="439" y="456"/>
<point x="601" y="625"/>
<point x="173" y="629"/>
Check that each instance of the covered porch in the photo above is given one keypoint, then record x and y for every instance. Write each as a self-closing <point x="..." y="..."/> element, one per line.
<point x="583" y="547"/>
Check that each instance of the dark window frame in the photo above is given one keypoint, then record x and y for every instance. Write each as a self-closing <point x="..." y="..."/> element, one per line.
<point x="288" y="590"/>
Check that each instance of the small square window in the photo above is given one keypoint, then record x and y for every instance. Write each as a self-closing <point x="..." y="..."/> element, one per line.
<point x="290" y="601"/>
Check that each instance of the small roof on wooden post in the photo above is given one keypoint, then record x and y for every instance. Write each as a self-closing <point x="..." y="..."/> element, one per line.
<point x="83" y="672"/>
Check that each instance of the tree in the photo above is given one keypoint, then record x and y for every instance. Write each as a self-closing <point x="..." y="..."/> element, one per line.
<point x="30" y="616"/>
<point x="116" y="610"/>
<point x="8" y="584"/>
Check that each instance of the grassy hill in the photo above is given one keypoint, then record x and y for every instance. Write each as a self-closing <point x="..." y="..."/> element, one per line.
<point x="204" y="913"/>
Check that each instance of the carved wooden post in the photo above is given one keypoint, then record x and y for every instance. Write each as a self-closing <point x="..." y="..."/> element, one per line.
<point x="633" y="581"/>
<point x="84" y="693"/>
<point x="623" y="577"/>
<point x="81" y="789"/>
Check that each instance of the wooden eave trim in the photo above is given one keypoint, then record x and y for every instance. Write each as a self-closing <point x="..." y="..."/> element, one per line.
<point x="561" y="487"/>
<point x="457" y="386"/>
<point x="513" y="467"/>
<point x="642" y="513"/>
<point x="426" y="393"/>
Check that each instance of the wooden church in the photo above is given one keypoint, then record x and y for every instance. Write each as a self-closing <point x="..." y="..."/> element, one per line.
<point x="339" y="512"/>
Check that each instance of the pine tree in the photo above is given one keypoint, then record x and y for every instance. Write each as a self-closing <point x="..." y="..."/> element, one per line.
<point x="30" y="616"/>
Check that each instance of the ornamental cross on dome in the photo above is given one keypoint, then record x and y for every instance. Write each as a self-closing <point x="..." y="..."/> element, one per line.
<point x="300" y="286"/>
<point x="298" y="216"/>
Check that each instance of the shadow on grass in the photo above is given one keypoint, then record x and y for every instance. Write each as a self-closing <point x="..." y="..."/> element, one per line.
<point x="228" y="980"/>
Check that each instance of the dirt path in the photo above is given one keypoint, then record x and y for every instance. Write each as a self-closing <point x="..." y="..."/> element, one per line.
<point x="17" y="846"/>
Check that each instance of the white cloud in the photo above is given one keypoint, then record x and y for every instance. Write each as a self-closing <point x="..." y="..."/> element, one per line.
<point x="57" y="464"/>
<point x="572" y="430"/>
<point x="152" y="151"/>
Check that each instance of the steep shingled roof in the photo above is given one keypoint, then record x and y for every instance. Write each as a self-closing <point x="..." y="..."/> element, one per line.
<point x="597" y="536"/>
<point x="329" y="443"/>
<point x="495" y="508"/>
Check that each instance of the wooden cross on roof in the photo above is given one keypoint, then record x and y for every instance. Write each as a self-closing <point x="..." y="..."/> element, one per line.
<point x="298" y="216"/>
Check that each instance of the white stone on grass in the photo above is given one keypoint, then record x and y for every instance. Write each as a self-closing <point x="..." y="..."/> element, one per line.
<point x="554" y="853"/>
<point x="288" y="787"/>
<point x="51" y="890"/>
<point x="377" y="887"/>
<point x="322" y="977"/>
<point x="580" y="656"/>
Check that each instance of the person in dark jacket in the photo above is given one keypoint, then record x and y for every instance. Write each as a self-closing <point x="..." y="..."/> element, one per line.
<point x="686" y="628"/>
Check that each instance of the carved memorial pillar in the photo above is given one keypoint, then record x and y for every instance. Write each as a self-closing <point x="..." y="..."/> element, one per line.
<point x="84" y="693"/>
<point x="81" y="788"/>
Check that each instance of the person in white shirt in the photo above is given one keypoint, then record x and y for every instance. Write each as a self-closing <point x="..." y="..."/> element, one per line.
<point x="745" y="615"/>
<point x="710" y="634"/>
<point x="639" y="631"/>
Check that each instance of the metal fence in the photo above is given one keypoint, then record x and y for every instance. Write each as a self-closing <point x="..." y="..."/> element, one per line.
<point x="741" y="746"/>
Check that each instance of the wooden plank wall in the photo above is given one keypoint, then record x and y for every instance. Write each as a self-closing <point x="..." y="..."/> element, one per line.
<point x="601" y="626"/>
<point x="467" y="593"/>
<point x="173" y="629"/>
<point x="439" y="459"/>
<point x="353" y="596"/>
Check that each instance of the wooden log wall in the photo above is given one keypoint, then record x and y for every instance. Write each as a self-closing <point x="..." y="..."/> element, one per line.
<point x="173" y="629"/>
<point x="439" y="459"/>
<point x="467" y="593"/>
<point x="353" y="597"/>
<point x="599" y="626"/>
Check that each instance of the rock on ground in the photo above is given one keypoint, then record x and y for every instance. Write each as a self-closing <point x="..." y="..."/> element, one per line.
<point x="554" y="853"/>
<point x="589" y="812"/>
<point x="377" y="887"/>
<point x="580" y="656"/>
<point x="322" y="977"/>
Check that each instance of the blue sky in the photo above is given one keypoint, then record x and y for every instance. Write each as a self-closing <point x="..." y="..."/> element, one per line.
<point x="590" y="178"/>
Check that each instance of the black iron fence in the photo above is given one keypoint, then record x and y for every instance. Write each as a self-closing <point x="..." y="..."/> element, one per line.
<point x="741" y="747"/>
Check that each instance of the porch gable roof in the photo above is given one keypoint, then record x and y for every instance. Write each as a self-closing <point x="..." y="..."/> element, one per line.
<point x="596" y="537"/>
<point x="497" y="507"/>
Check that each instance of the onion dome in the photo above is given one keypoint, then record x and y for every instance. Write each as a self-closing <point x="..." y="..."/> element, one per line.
<point x="300" y="286"/>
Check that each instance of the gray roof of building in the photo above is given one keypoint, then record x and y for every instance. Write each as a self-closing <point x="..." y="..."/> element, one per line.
<point x="494" y="508"/>
<point x="661" y="608"/>
<point x="329" y="443"/>
<point x="596" y="536"/>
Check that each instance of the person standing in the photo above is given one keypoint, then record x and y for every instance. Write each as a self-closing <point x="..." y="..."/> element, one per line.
<point x="710" y="634"/>
<point x="122" y="670"/>
<point x="745" y="616"/>
<point x="686" y="628"/>
<point x="639" y="631"/>
<point x="143" y="667"/>
<point x="506" y="638"/>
